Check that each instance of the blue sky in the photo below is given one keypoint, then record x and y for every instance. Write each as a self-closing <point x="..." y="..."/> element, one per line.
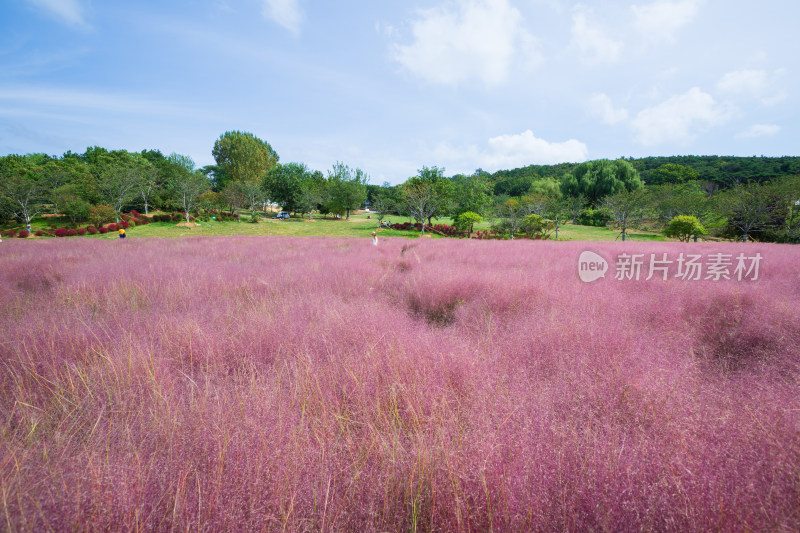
<point x="390" y="86"/>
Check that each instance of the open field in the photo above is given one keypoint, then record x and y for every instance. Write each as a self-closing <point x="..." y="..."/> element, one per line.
<point x="357" y="226"/>
<point x="298" y="383"/>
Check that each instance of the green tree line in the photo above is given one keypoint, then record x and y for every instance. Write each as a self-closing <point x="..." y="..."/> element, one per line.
<point x="744" y="198"/>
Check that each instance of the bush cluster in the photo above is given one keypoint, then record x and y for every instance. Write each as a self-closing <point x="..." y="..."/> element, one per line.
<point x="100" y="214"/>
<point x="406" y="226"/>
<point x="444" y="229"/>
<point x="220" y="216"/>
<point x="171" y="217"/>
<point x="23" y="233"/>
<point x="486" y="234"/>
<point x="594" y="217"/>
<point x="9" y="233"/>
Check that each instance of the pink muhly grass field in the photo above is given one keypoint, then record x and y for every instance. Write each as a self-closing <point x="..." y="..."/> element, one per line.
<point x="236" y="383"/>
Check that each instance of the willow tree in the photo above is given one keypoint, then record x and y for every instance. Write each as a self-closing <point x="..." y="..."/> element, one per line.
<point x="598" y="179"/>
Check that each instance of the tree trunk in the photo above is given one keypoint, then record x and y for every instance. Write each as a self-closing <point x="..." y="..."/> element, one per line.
<point x="145" y="208"/>
<point x="348" y="214"/>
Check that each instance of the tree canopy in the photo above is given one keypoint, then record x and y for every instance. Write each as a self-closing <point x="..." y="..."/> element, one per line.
<point x="597" y="179"/>
<point x="242" y="157"/>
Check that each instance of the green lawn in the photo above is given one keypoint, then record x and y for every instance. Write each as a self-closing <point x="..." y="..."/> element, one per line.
<point x="358" y="226"/>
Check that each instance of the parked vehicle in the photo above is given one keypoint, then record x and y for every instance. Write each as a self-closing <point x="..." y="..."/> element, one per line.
<point x="283" y="215"/>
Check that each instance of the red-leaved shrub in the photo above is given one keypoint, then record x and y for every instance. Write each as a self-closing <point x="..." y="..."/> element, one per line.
<point x="91" y="230"/>
<point x="122" y="224"/>
<point x="9" y="233"/>
<point x="72" y="232"/>
<point x="102" y="230"/>
<point x="112" y="227"/>
<point x="81" y="231"/>
<point x="23" y="233"/>
<point x="60" y="232"/>
<point x="39" y="233"/>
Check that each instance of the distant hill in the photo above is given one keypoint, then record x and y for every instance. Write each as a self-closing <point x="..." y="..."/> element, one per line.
<point x="723" y="170"/>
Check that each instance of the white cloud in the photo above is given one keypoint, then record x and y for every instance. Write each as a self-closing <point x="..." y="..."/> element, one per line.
<point x="591" y="40"/>
<point x="602" y="107"/>
<point x="512" y="151"/>
<point x="760" y="130"/>
<point x="476" y="39"/>
<point x="284" y="12"/>
<point x="661" y="20"/>
<point x="69" y="11"/>
<point x="757" y="84"/>
<point x="678" y="118"/>
<point x="751" y="82"/>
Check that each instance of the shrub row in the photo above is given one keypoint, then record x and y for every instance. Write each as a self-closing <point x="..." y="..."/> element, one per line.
<point x="486" y="234"/>
<point x="91" y="230"/>
<point x="171" y="217"/>
<point x="442" y="229"/>
<point x="221" y="216"/>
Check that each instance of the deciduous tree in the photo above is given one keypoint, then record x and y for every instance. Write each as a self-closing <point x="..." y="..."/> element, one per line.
<point x="752" y="208"/>
<point x="118" y="179"/>
<point x="627" y="208"/>
<point x="242" y="157"/>
<point x="466" y="221"/>
<point x="312" y="191"/>
<point x="420" y="200"/>
<point x="512" y="214"/>
<point x="346" y="188"/>
<point x="187" y="184"/>
<point x="21" y="192"/>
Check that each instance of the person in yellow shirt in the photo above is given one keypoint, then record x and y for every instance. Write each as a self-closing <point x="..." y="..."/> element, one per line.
<point x="121" y="233"/>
